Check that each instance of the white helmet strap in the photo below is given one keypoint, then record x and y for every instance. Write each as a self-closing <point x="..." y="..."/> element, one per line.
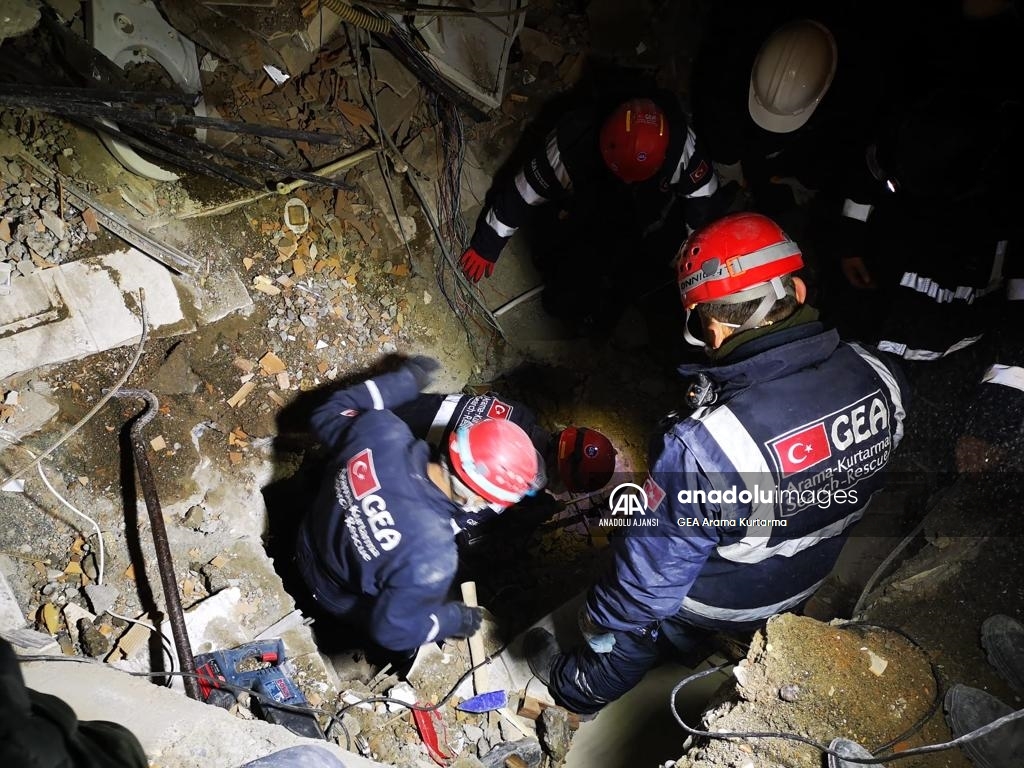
<point x="770" y="293"/>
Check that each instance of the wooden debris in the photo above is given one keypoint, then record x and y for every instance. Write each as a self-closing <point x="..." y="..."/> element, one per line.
<point x="243" y="392"/>
<point x="235" y="457"/>
<point x="276" y="398"/>
<point x="531" y="709"/>
<point x="272" y="365"/>
<point x="129" y="572"/>
<point x="357" y="116"/>
<point x="299" y="267"/>
<point x="245" y="366"/>
<point x="265" y="285"/>
<point x="247" y="263"/>
<point x="130" y="641"/>
<point x="219" y="561"/>
<point x="158" y="443"/>
<point x="49" y="618"/>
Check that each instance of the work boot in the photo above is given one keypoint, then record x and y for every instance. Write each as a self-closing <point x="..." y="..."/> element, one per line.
<point x="848" y="748"/>
<point x="540" y="649"/>
<point x="968" y="709"/>
<point x="1003" y="640"/>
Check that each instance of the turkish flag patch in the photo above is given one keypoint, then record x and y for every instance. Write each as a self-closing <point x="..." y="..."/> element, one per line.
<point x="653" y="492"/>
<point x="803" y="450"/>
<point x="699" y="172"/>
<point x="362" y="477"/>
<point x="499" y="410"/>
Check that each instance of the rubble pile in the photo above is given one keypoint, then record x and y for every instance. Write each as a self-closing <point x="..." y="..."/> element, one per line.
<point x="37" y="229"/>
<point x="860" y="682"/>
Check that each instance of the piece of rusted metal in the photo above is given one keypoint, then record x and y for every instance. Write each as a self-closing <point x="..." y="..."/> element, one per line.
<point x="175" y="614"/>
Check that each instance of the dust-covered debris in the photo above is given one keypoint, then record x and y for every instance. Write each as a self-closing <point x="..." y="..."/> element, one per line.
<point x="816" y="680"/>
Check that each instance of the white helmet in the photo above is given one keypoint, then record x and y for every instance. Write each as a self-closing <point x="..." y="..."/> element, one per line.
<point x="792" y="72"/>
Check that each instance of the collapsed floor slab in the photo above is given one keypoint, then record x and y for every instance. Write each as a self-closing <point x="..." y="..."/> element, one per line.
<point x="175" y="732"/>
<point x="84" y="307"/>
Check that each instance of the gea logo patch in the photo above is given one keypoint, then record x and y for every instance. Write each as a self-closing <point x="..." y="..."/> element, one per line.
<point x="841" y="434"/>
<point x="362" y="476"/>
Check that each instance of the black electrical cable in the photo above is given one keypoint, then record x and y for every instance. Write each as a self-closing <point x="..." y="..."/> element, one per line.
<point x="431" y="707"/>
<point x="439" y="10"/>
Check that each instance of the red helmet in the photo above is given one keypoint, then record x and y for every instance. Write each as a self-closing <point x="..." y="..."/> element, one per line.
<point x="739" y="257"/>
<point x="586" y="459"/>
<point x="634" y="140"/>
<point x="496" y="460"/>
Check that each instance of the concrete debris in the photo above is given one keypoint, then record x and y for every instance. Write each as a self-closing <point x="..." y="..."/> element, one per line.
<point x="101" y="597"/>
<point x="790" y="692"/>
<point x="93" y="642"/>
<point x="555" y="732"/>
<point x="85" y="307"/>
<point x="527" y="750"/>
<point x="30" y="414"/>
<point x="35" y="230"/>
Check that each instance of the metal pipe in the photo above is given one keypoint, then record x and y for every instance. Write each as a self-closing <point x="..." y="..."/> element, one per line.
<point x="175" y="615"/>
<point x="319" y="175"/>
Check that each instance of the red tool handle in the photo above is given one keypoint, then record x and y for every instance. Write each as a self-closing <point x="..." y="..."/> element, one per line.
<point x="428" y="723"/>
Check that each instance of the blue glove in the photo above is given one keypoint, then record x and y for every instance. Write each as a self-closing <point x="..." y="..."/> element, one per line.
<point x="598" y="638"/>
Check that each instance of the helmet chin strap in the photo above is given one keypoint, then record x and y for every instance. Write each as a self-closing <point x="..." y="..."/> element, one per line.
<point x="769" y="293"/>
<point x="688" y="337"/>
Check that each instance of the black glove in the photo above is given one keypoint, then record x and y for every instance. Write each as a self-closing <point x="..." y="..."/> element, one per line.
<point x="422" y="368"/>
<point x="469" y="620"/>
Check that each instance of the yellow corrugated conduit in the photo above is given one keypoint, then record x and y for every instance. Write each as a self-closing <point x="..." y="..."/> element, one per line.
<point x="377" y="24"/>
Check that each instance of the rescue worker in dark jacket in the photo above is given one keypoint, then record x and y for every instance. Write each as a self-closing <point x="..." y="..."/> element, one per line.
<point x="378" y="549"/>
<point x="750" y="498"/>
<point x="645" y="143"/>
<point x="786" y="101"/>
<point x="577" y="459"/>
<point x="618" y="176"/>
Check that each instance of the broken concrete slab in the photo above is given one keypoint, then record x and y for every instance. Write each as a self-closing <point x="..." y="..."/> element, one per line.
<point x="85" y="307"/>
<point x="393" y="73"/>
<point x="11" y="616"/>
<point x="175" y="732"/>
<point x="32" y="414"/>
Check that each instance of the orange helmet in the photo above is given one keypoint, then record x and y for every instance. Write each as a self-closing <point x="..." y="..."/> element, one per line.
<point x="586" y="459"/>
<point x="738" y="258"/>
<point x="634" y="140"/>
<point x="496" y="460"/>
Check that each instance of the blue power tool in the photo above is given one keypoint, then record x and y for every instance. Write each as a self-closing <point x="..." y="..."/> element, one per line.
<point x="256" y="667"/>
